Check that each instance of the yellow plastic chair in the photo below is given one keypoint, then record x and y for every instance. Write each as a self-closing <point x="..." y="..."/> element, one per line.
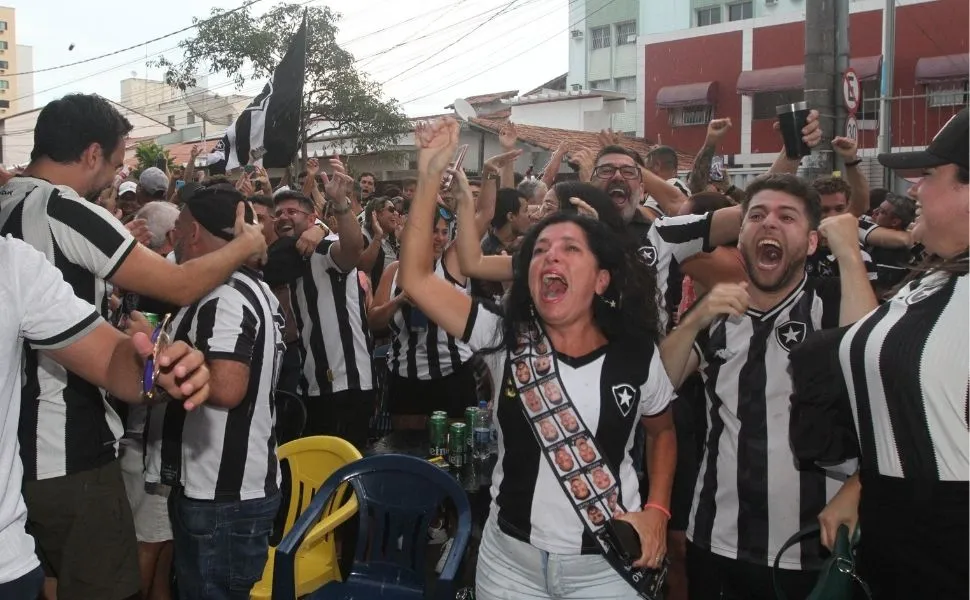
<point x="311" y="461"/>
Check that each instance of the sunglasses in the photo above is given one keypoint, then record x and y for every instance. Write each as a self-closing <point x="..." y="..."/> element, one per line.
<point x="446" y="214"/>
<point x="161" y="340"/>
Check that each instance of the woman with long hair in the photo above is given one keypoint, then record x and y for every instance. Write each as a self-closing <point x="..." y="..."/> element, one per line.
<point x="905" y="367"/>
<point x="573" y="356"/>
<point x="379" y="224"/>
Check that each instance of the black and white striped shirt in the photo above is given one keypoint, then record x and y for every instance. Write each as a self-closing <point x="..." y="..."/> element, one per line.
<point x="66" y="426"/>
<point x="330" y="312"/>
<point x="215" y="453"/>
<point x="527" y="499"/>
<point x="428" y="354"/>
<point x="906" y="370"/>
<point x="749" y="497"/>
<point x="664" y="244"/>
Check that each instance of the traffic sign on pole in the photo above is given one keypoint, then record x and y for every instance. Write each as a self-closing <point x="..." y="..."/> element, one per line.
<point x="852" y="128"/>
<point x="850" y="90"/>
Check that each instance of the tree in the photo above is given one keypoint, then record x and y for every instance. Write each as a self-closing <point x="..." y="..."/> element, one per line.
<point x="148" y="154"/>
<point x="337" y="98"/>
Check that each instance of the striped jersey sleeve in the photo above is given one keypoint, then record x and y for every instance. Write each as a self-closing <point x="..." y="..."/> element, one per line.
<point x="226" y="327"/>
<point x="658" y="392"/>
<point x="87" y="234"/>
<point x="866" y="226"/>
<point x="52" y="316"/>
<point x="687" y="235"/>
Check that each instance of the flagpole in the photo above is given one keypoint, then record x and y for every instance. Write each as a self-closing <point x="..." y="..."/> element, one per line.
<point x="304" y="126"/>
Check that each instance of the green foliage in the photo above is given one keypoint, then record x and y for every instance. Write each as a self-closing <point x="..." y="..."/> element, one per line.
<point x="337" y="98"/>
<point x="149" y="152"/>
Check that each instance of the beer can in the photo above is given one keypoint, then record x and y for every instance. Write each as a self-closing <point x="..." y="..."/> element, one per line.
<point x="471" y="413"/>
<point x="438" y="434"/>
<point x="457" y="444"/>
<point x="153" y="318"/>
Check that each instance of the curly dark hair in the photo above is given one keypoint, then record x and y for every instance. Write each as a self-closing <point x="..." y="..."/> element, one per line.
<point x="635" y="319"/>
<point x="832" y="185"/>
<point x="597" y="199"/>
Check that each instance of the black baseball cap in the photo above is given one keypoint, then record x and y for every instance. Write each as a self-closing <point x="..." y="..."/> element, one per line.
<point x="215" y="209"/>
<point x="951" y="145"/>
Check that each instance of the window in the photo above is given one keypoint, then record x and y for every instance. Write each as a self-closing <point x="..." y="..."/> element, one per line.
<point x="171" y="120"/>
<point x="4" y="103"/>
<point x="602" y="84"/>
<point x="190" y="118"/>
<point x="626" y="33"/>
<point x="3" y="45"/>
<point x="950" y="93"/>
<point x="690" y="115"/>
<point x="763" y="105"/>
<point x="708" y="16"/>
<point x="600" y="37"/>
<point x="739" y="11"/>
<point x="869" y="102"/>
<point x="3" y="25"/>
<point x="4" y="84"/>
<point x="4" y="64"/>
<point x="627" y="85"/>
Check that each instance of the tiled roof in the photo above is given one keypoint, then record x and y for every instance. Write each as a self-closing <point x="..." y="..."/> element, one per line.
<point x="550" y="138"/>
<point x="488" y="98"/>
<point x="559" y="83"/>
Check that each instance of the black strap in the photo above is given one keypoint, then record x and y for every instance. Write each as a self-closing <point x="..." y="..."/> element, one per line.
<point x="810" y="530"/>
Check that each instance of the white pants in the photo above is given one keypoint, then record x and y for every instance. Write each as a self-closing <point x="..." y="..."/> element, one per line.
<point x="509" y="569"/>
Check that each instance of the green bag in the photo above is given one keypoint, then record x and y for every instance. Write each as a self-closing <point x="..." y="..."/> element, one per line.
<point x="837" y="576"/>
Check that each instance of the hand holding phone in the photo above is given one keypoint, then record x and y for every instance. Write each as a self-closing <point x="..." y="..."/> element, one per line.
<point x="623" y="538"/>
<point x="448" y="178"/>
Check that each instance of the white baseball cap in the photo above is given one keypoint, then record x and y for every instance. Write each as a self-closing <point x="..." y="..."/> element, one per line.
<point x="127" y="186"/>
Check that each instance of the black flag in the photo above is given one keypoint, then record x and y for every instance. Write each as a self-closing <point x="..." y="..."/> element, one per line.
<point x="269" y="128"/>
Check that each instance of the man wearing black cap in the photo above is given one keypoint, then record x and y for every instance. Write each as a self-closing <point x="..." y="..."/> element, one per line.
<point x="221" y="461"/>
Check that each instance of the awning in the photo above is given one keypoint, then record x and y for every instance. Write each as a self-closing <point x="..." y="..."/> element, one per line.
<point x="792" y="77"/>
<point x="954" y="67"/>
<point x="690" y="94"/>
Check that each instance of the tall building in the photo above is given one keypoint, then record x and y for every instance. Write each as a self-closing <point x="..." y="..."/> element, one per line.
<point x="16" y="91"/>
<point x="603" y="52"/>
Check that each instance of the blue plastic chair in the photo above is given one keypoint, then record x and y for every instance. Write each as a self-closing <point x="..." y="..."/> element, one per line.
<point x="397" y="496"/>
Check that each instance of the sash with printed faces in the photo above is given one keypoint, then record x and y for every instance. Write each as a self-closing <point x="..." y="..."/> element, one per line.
<point x="584" y="475"/>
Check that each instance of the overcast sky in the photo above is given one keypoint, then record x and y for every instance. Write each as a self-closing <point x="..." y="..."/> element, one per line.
<point x="461" y="40"/>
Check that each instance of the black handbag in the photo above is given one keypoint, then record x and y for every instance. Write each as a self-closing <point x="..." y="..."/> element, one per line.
<point x="836" y="579"/>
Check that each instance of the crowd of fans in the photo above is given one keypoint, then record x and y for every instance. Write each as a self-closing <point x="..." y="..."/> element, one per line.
<point x="714" y="366"/>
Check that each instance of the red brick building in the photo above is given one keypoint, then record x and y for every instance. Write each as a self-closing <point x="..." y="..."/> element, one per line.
<point x="744" y="69"/>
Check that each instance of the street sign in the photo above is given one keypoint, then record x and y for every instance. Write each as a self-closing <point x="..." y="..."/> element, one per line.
<point x="852" y="128"/>
<point x="850" y="90"/>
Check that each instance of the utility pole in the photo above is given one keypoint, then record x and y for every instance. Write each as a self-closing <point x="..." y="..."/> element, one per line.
<point x="885" y="139"/>
<point x="841" y="66"/>
<point x="820" y="78"/>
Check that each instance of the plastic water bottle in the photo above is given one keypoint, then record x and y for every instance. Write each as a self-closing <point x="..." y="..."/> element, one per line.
<point x="483" y="432"/>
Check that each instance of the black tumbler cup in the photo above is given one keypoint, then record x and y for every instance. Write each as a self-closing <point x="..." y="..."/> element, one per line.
<point x="792" y="119"/>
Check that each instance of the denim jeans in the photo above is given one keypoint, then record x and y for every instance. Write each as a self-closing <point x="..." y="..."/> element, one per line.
<point x="220" y="547"/>
<point x="26" y="587"/>
<point x="509" y="569"/>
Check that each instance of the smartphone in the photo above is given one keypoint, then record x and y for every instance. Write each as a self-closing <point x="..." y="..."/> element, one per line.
<point x="623" y="538"/>
<point x="161" y="162"/>
<point x="446" y="181"/>
<point x="249" y="168"/>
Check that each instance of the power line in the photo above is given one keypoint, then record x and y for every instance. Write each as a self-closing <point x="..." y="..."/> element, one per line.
<point x="487" y="69"/>
<point x="139" y="45"/>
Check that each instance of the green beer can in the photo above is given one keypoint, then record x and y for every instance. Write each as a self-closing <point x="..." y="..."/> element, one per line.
<point x="471" y="413"/>
<point x="154" y="318"/>
<point x="457" y="444"/>
<point x="438" y="434"/>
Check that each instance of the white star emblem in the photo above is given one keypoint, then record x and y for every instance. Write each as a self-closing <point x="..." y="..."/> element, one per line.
<point x="791" y="336"/>
<point x="624" y="397"/>
<point x="624" y="394"/>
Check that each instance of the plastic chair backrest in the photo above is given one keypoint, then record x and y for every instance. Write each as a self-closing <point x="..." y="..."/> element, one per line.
<point x="397" y="496"/>
<point x="311" y="461"/>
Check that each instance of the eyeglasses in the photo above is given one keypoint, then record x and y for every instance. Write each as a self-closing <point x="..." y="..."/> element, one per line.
<point x="161" y="341"/>
<point x="607" y="171"/>
<point x="290" y="212"/>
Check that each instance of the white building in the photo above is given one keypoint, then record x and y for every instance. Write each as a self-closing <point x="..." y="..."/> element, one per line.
<point x="603" y="52"/>
<point x="195" y="107"/>
<point x="17" y="132"/>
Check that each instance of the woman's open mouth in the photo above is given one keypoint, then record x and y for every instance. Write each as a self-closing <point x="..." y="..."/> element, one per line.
<point x="553" y="287"/>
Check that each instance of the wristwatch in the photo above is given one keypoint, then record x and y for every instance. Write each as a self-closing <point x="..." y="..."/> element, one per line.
<point x="852" y="163"/>
<point x="339" y="209"/>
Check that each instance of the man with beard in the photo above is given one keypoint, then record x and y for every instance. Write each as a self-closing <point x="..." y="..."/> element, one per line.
<point x="329" y="305"/>
<point x="68" y="432"/>
<point x="750" y="497"/>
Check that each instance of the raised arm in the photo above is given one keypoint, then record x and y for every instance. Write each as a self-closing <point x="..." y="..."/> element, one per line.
<point x="859" y="197"/>
<point x="552" y="169"/>
<point x="437" y="298"/>
<point x="667" y="195"/>
<point x="700" y="174"/>
<point x="347" y="250"/>
<point x="857" y="299"/>
<point x="507" y="136"/>
<point x="471" y="262"/>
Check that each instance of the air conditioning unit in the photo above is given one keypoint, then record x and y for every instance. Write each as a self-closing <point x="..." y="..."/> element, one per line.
<point x="630" y="38"/>
<point x="576" y="34"/>
<point x="771" y="2"/>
